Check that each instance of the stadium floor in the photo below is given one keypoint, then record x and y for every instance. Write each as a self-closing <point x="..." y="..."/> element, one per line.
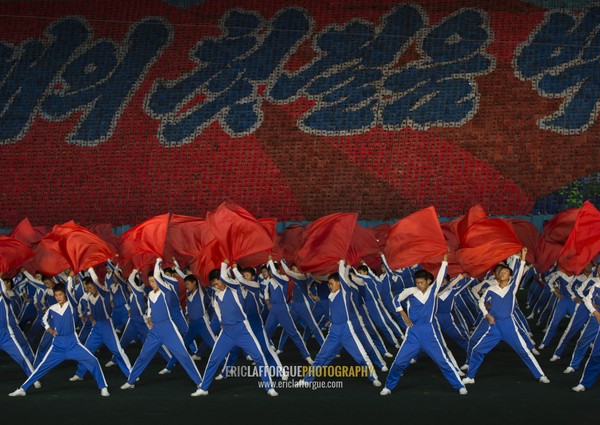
<point x="504" y="392"/>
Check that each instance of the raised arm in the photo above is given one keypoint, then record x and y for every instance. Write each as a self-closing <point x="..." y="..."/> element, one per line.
<point x="240" y="278"/>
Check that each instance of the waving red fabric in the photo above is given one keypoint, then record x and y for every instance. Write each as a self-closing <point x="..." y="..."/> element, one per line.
<point x="26" y="233"/>
<point x="583" y="243"/>
<point x="47" y="258"/>
<point x="238" y="232"/>
<point x="291" y="239"/>
<point x="81" y="247"/>
<point x="208" y="259"/>
<point x="13" y="253"/>
<point x="415" y="239"/>
<point x="528" y="234"/>
<point x="475" y="214"/>
<point x="147" y="237"/>
<point x="486" y="243"/>
<point x="326" y="241"/>
<point x="105" y="231"/>
<point x="258" y="258"/>
<point x="555" y="233"/>
<point x="363" y="246"/>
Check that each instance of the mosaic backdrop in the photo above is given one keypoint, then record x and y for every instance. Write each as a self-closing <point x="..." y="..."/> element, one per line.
<point x="115" y="111"/>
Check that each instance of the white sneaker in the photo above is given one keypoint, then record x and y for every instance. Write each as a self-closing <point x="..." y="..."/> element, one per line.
<point x="544" y="380"/>
<point x="249" y="358"/>
<point x="461" y="374"/>
<point x="196" y="358"/>
<point x="377" y="383"/>
<point x="219" y="377"/>
<point x="578" y="389"/>
<point x="164" y="371"/>
<point x="386" y="354"/>
<point x="385" y="391"/>
<point x="554" y="358"/>
<point x="272" y="393"/>
<point x="467" y="381"/>
<point x="384" y="369"/>
<point x="397" y="346"/>
<point x="309" y="360"/>
<point x="569" y="370"/>
<point x="413" y="361"/>
<point x="463" y="391"/>
<point x="109" y="364"/>
<point x="199" y="392"/>
<point x="75" y="378"/>
<point x="127" y="386"/>
<point x="541" y="347"/>
<point x="464" y="367"/>
<point x="19" y="392"/>
<point x="278" y="351"/>
<point x="37" y="384"/>
<point x="535" y="352"/>
<point x="104" y="392"/>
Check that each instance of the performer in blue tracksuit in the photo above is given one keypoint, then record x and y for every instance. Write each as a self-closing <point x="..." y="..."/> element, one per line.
<point x="249" y="290"/>
<point x="59" y="322"/>
<point x="170" y="287"/>
<point x="378" y="314"/>
<point x="235" y="332"/>
<point x="422" y="333"/>
<point x="136" y="328"/>
<point x="103" y="331"/>
<point x="564" y="306"/>
<point x="501" y="299"/>
<point x="8" y="339"/>
<point x="279" y="312"/>
<point x="300" y="307"/>
<point x="162" y="332"/>
<point x="444" y="316"/>
<point x="199" y="324"/>
<point x="579" y="290"/>
<point x="341" y="332"/>
<point x="592" y="366"/>
<point x="119" y="296"/>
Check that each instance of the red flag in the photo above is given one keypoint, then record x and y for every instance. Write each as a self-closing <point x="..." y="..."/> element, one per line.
<point x="147" y="237"/>
<point x="291" y="239"/>
<point x="326" y="241"/>
<point x="210" y="258"/>
<point x="363" y="246"/>
<point x="486" y="243"/>
<point x="238" y="232"/>
<point x="258" y="258"/>
<point x="47" y="258"/>
<point x="475" y="214"/>
<point x="415" y="239"/>
<point x="528" y="234"/>
<point x="555" y="233"/>
<point x="583" y="244"/>
<point x="13" y="253"/>
<point x="81" y="247"/>
<point x="105" y="231"/>
<point x="26" y="233"/>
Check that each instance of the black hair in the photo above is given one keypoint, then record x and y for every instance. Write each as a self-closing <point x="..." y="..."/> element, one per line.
<point x="363" y="268"/>
<point x="423" y="274"/>
<point x="334" y="276"/>
<point x="60" y="287"/>
<point x="504" y="266"/>
<point x="214" y="274"/>
<point x="191" y="278"/>
<point x="250" y="270"/>
<point x="169" y="270"/>
<point x="150" y="273"/>
<point x="87" y="280"/>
